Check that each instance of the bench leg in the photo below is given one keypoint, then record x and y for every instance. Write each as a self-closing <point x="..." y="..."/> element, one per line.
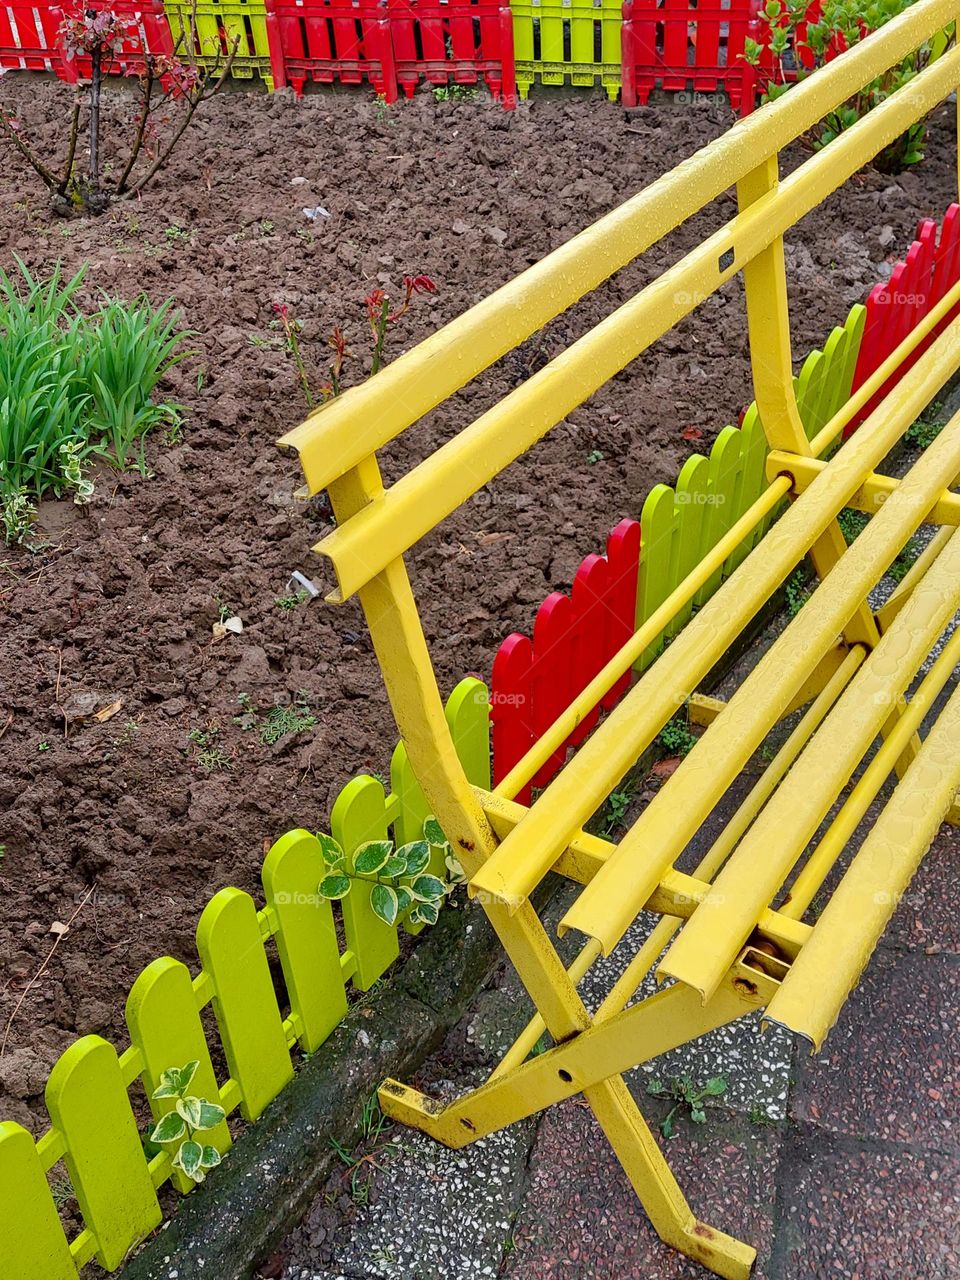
<point x="657" y="1189"/>
<point x="634" y="1146"/>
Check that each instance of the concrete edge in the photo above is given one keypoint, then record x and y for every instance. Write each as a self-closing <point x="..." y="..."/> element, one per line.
<point x="227" y="1226"/>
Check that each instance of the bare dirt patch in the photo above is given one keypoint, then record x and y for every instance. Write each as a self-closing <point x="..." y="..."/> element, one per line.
<point x="120" y="605"/>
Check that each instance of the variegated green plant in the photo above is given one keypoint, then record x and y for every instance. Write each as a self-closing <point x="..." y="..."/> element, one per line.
<point x="190" y="1116"/>
<point x="402" y="885"/>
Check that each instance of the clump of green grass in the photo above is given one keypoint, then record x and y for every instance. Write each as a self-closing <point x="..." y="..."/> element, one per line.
<point x="922" y="434"/>
<point x="74" y="387"/>
<point x="677" y="736"/>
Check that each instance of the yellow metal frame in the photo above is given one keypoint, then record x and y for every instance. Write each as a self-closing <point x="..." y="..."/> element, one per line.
<point x="726" y="945"/>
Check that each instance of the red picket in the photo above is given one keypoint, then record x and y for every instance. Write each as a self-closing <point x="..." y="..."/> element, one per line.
<point x="623" y="555"/>
<point x="28" y="37"/>
<point x="146" y="31"/>
<point x="590" y="594"/>
<point x="678" y="45"/>
<point x="930" y="269"/>
<point x="574" y="637"/>
<point x="454" y="41"/>
<point x="553" y="673"/>
<point x="327" y="41"/>
<point x="510" y="707"/>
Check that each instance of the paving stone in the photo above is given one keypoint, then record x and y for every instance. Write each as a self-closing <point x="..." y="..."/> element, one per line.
<point x="927" y="915"/>
<point x="853" y="1211"/>
<point x="582" y="1221"/>
<point x="890" y="1068"/>
<point x="437" y="1214"/>
<point x="755" y="1065"/>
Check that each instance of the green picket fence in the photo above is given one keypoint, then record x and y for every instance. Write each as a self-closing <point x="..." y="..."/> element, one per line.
<point x="567" y="41"/>
<point x="680" y="525"/>
<point x="93" y="1126"/>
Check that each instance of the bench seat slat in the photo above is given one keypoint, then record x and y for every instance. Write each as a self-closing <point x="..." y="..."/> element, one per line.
<point x="844" y="938"/>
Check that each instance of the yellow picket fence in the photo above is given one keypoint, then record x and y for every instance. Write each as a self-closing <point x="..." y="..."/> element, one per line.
<point x="94" y="1128"/>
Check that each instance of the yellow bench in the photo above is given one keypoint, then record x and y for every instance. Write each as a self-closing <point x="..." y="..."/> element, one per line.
<point x="730" y="940"/>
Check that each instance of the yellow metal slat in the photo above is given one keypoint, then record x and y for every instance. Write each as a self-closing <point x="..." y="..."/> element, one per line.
<point x="847" y="932"/>
<point x="396" y="519"/>
<point x="528" y="853"/>
<point x="352" y="427"/>
<point x="708" y="944"/>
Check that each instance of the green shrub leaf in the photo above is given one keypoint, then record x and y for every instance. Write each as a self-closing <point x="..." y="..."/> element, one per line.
<point x="425" y="913"/>
<point x="433" y="832"/>
<point x="189" y="1108"/>
<point x="210" y="1158"/>
<point x="416" y="855"/>
<point x="370" y="857"/>
<point x="210" y="1115"/>
<point x="189" y="1158"/>
<point x="334" y="886"/>
<point x="330" y="850"/>
<point x="428" y="889"/>
<point x="404" y="899"/>
<point x="385" y="903"/>
<point x="169" y="1129"/>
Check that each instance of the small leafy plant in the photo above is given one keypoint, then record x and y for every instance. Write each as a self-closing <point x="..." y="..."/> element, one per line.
<point x="279" y="721"/>
<point x="852" y="523"/>
<point x="171" y="89"/>
<point x="190" y="1116"/>
<point x="796" y="48"/>
<point x="796" y="591"/>
<point x="73" y="388"/>
<point x="292" y="600"/>
<point x="922" y="434"/>
<point x="382" y="315"/>
<point x="402" y="885"/>
<point x="677" y="736"/>
<point x="686" y="1096"/>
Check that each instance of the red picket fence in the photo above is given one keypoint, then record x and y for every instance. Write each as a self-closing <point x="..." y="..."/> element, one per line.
<point x="683" y="46"/>
<point x="28" y="37"/>
<point x="574" y="636"/>
<point x="916" y="285"/>
<point x="146" y="31"/>
<point x="393" y="44"/>
<point x="458" y="42"/>
<point x="331" y="41"/>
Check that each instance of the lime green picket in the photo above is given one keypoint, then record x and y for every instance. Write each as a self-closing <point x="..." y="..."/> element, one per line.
<point x="551" y="20"/>
<point x="468" y="715"/>
<point x="359" y="815"/>
<point x="692" y="492"/>
<point x="754" y="446"/>
<point x="231" y="951"/>
<point x="219" y="24"/>
<point x="87" y="1101"/>
<point x="306" y="937"/>
<point x="164" y="1024"/>
<point x="32" y="1242"/>
<point x="658" y="521"/>
<point x="726" y="499"/>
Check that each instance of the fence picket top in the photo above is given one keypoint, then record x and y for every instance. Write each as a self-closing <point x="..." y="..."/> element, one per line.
<point x="164" y="1025"/>
<point x="33" y="1240"/>
<point x="358" y="815"/>
<point x="306" y="936"/>
<point x="251" y="1029"/>
<point x="658" y="525"/>
<point x="87" y="1100"/>
<point x="693" y="486"/>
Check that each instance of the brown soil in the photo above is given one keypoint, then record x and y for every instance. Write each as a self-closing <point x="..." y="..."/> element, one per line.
<point x="121" y="602"/>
